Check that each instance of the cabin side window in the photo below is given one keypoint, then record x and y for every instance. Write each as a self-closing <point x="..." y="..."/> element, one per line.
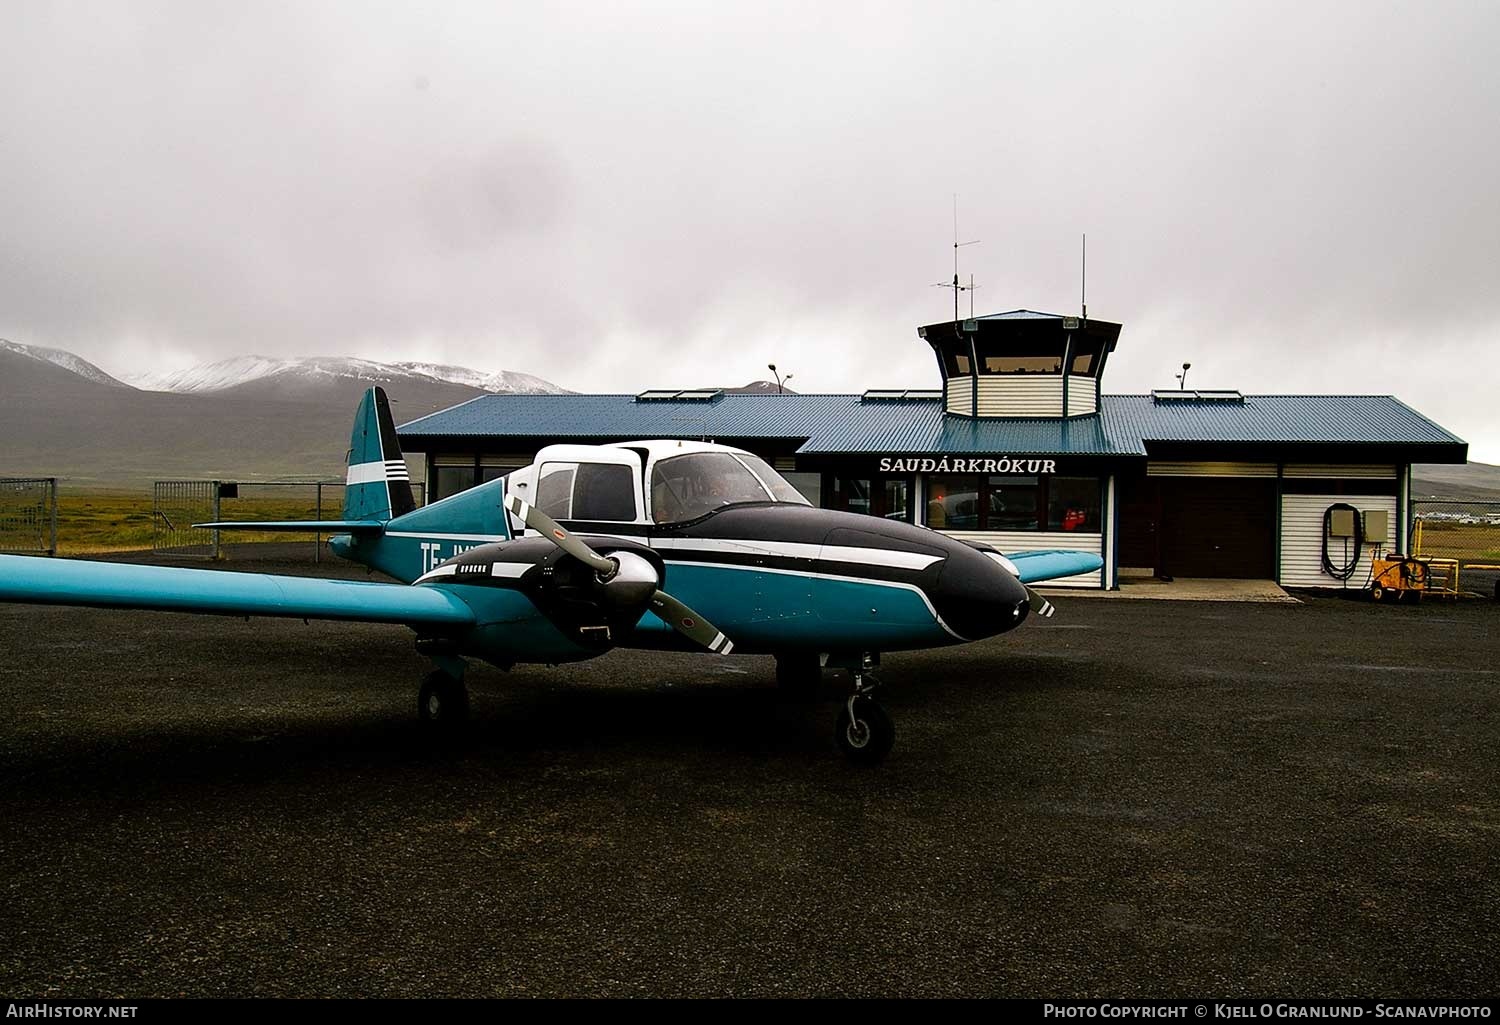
<point x="587" y="491"/>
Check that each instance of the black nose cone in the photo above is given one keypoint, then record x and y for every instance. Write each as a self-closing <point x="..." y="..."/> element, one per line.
<point x="977" y="596"/>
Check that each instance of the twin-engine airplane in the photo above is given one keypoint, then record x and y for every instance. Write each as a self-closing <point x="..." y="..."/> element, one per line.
<point x="652" y="544"/>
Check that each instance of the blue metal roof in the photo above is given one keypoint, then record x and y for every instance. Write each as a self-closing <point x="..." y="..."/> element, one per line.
<point x="621" y="416"/>
<point x="1020" y="315"/>
<point x="1277" y="419"/>
<point x="843" y="423"/>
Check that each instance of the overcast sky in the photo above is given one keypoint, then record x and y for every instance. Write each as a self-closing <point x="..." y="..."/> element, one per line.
<point x="1295" y="198"/>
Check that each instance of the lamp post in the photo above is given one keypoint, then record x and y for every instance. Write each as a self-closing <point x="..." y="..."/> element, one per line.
<point x="779" y="379"/>
<point x="1182" y="377"/>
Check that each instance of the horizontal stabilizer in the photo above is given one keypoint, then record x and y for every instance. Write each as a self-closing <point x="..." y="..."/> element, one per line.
<point x="1050" y="565"/>
<point x="35" y="581"/>
<point x="308" y="526"/>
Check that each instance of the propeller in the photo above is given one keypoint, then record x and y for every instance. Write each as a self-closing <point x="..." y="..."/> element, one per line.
<point x="688" y="623"/>
<point x="1039" y="606"/>
<point x="553" y="531"/>
<point x="671" y="611"/>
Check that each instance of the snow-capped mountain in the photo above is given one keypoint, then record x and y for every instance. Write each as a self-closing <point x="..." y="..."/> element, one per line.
<point x="66" y="360"/>
<point x="503" y="382"/>
<point x="312" y="370"/>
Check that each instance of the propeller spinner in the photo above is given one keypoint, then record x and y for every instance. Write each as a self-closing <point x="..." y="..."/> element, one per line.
<point x="626" y="577"/>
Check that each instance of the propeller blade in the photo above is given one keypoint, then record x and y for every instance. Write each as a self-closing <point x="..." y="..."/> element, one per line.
<point x="688" y="623"/>
<point x="1039" y="605"/>
<point x="671" y="611"/>
<point x="554" y="532"/>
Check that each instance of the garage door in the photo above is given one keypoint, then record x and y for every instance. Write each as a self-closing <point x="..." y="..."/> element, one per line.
<point x="1218" y="527"/>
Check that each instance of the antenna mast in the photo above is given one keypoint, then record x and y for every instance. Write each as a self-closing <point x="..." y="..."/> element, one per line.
<point x="958" y="288"/>
<point x="1083" y="288"/>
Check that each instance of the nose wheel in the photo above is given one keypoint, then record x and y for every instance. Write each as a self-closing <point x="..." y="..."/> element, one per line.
<point x="443" y="701"/>
<point x="864" y="731"/>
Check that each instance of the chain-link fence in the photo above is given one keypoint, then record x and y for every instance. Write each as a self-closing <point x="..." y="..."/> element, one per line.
<point x="28" y="515"/>
<point x="1468" y="532"/>
<point x="1464" y="539"/>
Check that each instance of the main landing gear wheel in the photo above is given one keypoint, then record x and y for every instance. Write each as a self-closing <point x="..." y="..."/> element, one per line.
<point x="799" y="676"/>
<point x="443" y="702"/>
<point x="864" y="731"/>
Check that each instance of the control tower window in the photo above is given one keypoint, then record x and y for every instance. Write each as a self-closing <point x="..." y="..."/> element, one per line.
<point x="1026" y="356"/>
<point x="1023" y="364"/>
<point x="958" y="364"/>
<point x="1085" y="358"/>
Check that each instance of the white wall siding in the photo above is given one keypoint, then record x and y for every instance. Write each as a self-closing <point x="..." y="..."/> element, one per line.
<point x="1020" y="395"/>
<point x="960" y="392"/>
<point x="1302" y="538"/>
<point x="1334" y="472"/>
<point x="1038" y="541"/>
<point x="1167" y="468"/>
<point x="1082" y="399"/>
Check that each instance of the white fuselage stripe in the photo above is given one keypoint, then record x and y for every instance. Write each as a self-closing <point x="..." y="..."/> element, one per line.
<point x="366" y="473"/>
<point x="510" y="570"/>
<point x="801" y="550"/>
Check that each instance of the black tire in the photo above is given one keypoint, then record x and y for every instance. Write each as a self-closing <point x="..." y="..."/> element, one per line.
<point x="799" y="676"/>
<point x="1377" y="592"/>
<point x="443" y="702"/>
<point x="867" y="738"/>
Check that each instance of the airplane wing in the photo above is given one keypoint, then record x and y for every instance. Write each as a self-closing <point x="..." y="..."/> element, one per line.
<point x="1049" y="565"/>
<point x="35" y="581"/>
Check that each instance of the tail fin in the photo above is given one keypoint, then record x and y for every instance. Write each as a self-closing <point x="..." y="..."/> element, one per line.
<point x="379" y="486"/>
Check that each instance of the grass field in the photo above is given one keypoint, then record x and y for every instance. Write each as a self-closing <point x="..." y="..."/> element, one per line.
<point x="110" y="521"/>
<point x="1466" y="542"/>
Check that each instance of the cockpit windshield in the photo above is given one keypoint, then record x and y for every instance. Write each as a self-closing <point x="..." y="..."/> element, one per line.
<point x="688" y="486"/>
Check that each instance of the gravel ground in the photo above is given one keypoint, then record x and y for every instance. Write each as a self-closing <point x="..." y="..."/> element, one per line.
<point x="1135" y="798"/>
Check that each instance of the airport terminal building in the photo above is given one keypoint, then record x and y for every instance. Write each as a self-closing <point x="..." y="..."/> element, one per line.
<point x="1020" y="447"/>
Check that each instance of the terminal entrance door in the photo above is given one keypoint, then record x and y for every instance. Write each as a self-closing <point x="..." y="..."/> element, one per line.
<point x="1218" y="527"/>
<point x="887" y="497"/>
<point x="1199" y="526"/>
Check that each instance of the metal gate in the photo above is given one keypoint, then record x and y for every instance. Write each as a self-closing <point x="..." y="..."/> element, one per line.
<point x="175" y="506"/>
<point x="28" y="515"/>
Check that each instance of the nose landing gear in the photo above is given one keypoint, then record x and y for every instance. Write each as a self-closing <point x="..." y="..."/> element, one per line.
<point x="443" y="702"/>
<point x="864" y="731"/>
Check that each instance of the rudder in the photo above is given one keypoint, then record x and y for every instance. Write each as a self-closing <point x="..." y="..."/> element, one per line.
<point x="378" y="485"/>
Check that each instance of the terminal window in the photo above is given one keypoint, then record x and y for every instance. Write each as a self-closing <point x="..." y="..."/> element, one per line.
<point x="973" y="502"/>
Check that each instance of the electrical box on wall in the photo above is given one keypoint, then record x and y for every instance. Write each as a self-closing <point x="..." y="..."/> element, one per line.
<point x="1341" y="523"/>
<point x="1377" y="527"/>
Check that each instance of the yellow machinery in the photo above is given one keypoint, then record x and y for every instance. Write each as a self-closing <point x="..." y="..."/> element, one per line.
<point x="1393" y="577"/>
